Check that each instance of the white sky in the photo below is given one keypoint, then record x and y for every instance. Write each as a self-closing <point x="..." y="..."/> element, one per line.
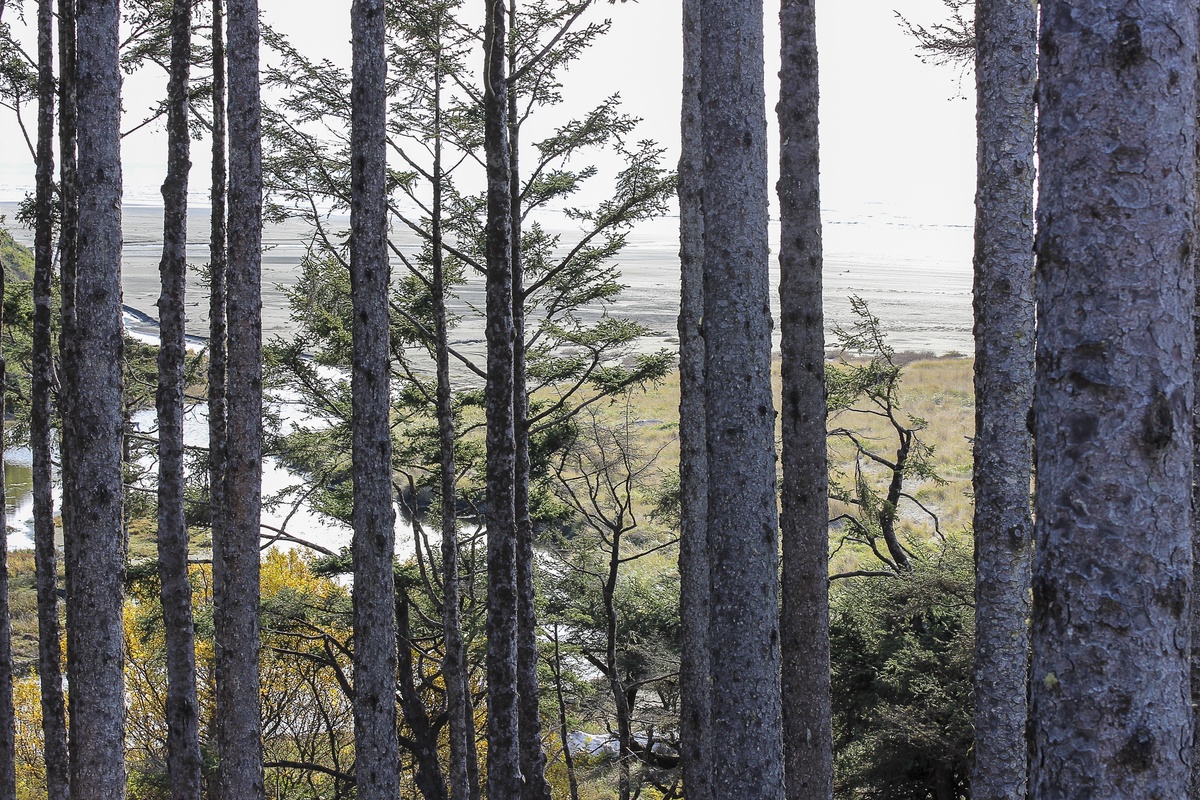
<point x="897" y="135"/>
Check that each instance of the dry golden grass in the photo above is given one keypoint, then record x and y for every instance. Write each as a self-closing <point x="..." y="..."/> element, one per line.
<point x="939" y="391"/>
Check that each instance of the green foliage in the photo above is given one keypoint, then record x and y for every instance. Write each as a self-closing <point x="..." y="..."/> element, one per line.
<point x="902" y="651"/>
<point x="886" y="449"/>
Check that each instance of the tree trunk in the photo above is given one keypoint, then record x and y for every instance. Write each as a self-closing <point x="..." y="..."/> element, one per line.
<point x="96" y="557"/>
<point x="54" y="724"/>
<point x="504" y="767"/>
<point x="1006" y="65"/>
<point x="564" y="732"/>
<point x="533" y="756"/>
<point x="183" y="712"/>
<point x="428" y="776"/>
<point x="804" y="624"/>
<point x="694" y="688"/>
<point x="740" y="419"/>
<point x="217" y="261"/>
<point x="235" y="554"/>
<point x="377" y="758"/>
<point x="1113" y="400"/>
<point x="8" y="722"/>
<point x="464" y="760"/>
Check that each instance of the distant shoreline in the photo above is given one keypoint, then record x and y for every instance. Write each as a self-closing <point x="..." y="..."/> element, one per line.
<point x="915" y="276"/>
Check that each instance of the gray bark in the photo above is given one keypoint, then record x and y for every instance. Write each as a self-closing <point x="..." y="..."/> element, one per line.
<point x="504" y="769"/>
<point x="8" y="722"/>
<point x="96" y="555"/>
<point x="464" y="760"/>
<point x="1005" y="70"/>
<point x="804" y="622"/>
<point x="377" y="759"/>
<point x="1113" y="401"/>
<point x="424" y="746"/>
<point x="217" y="260"/>
<point x="693" y="465"/>
<point x="54" y="723"/>
<point x="742" y="523"/>
<point x="533" y="756"/>
<point x="236" y="555"/>
<point x="183" y="711"/>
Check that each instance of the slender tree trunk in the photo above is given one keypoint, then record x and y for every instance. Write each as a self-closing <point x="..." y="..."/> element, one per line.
<point x="183" y="712"/>
<point x="236" y="559"/>
<point x="217" y="261"/>
<point x="464" y="760"/>
<point x="563" y="731"/>
<point x="68" y="340"/>
<point x="8" y="721"/>
<point x="377" y="754"/>
<point x="1006" y="65"/>
<point x="742" y="520"/>
<point x="504" y="766"/>
<point x="96" y="559"/>
<point x="1113" y="400"/>
<point x="429" y="779"/>
<point x="620" y="700"/>
<point x="808" y="736"/>
<point x="533" y="755"/>
<point x="695" y="689"/>
<point x="54" y="725"/>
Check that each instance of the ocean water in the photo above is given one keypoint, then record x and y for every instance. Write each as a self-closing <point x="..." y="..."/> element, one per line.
<point x="914" y="273"/>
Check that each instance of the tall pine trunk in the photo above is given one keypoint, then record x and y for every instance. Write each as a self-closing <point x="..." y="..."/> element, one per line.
<point x="504" y="766"/>
<point x="1005" y="69"/>
<point x="236" y="566"/>
<point x="464" y="759"/>
<point x="377" y="759"/>
<point x="93" y="479"/>
<point x="808" y="736"/>
<point x="694" y="687"/>
<point x="533" y="756"/>
<point x="54" y="723"/>
<point x="742" y="520"/>
<point x="183" y="712"/>
<point x="1113" y="400"/>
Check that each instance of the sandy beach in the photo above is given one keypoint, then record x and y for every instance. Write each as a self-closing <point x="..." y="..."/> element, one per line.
<point x="915" y="275"/>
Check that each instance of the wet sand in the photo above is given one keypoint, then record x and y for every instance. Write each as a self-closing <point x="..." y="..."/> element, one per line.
<point x="915" y="276"/>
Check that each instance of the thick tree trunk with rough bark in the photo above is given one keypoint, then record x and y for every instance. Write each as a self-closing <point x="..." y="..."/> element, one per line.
<point x="54" y="724"/>
<point x="235" y="556"/>
<point x="742" y="520"/>
<point x="804" y="624"/>
<point x="1005" y="69"/>
<point x="377" y="759"/>
<point x="504" y="766"/>
<point x="183" y="712"/>
<point x="695" y="690"/>
<point x="96" y="556"/>
<point x="1113" y="400"/>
